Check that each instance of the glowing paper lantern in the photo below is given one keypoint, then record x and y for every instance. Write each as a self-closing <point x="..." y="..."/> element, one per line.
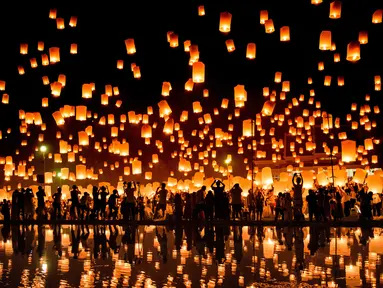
<point x="225" y="22"/>
<point x="267" y="176"/>
<point x="348" y="151"/>
<point x="374" y="183"/>
<point x="353" y="51"/>
<point x="248" y="128"/>
<point x="268" y="108"/>
<point x="198" y="72"/>
<point x="325" y="40"/>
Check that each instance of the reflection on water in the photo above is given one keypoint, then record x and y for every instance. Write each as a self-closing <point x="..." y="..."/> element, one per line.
<point x="189" y="256"/>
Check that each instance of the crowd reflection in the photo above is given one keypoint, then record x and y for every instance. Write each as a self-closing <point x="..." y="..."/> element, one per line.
<point x="189" y="256"/>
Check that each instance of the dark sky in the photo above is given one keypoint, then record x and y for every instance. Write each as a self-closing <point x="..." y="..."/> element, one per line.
<point x="102" y="29"/>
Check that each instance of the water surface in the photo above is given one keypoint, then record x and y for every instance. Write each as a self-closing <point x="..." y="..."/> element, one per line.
<point x="189" y="256"/>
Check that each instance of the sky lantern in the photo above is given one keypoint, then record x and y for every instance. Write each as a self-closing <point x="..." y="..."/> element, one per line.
<point x="377" y="16"/>
<point x="353" y="51"/>
<point x="23" y="48"/>
<point x="54" y="54"/>
<point x="136" y="167"/>
<point x="2" y="85"/>
<point x="80" y="172"/>
<point x="363" y="37"/>
<point x="165" y="88"/>
<point x="146" y="131"/>
<point x="58" y="118"/>
<point x="164" y="108"/>
<point x="264" y="15"/>
<point x="86" y="91"/>
<point x="73" y="48"/>
<point x="60" y="24"/>
<point x="225" y="22"/>
<point x="83" y="138"/>
<point x="201" y="10"/>
<point x="189" y="85"/>
<point x="173" y="40"/>
<point x="73" y="21"/>
<point x="240" y="93"/>
<point x="285" y="33"/>
<point x="374" y="184"/>
<point x="230" y="45"/>
<point x="335" y="9"/>
<point x="251" y="51"/>
<point x="267" y="176"/>
<point x="52" y="13"/>
<point x="248" y="128"/>
<point x="81" y="113"/>
<point x="5" y="99"/>
<point x="136" y="72"/>
<point x="269" y="26"/>
<point x="198" y="72"/>
<point x="348" y="151"/>
<point x="268" y="108"/>
<point x="197" y="108"/>
<point x="130" y="46"/>
<point x="325" y="40"/>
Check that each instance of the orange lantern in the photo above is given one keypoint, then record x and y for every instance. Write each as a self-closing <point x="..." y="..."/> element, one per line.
<point x="198" y="72"/>
<point x="225" y="22"/>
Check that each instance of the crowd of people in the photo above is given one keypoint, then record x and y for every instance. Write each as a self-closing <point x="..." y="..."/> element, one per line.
<point x="216" y="203"/>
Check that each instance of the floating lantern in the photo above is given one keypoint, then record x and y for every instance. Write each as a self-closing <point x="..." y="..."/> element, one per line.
<point x="325" y="40"/>
<point x="251" y="51"/>
<point x="198" y="72"/>
<point x="348" y="151"/>
<point x="225" y="22"/>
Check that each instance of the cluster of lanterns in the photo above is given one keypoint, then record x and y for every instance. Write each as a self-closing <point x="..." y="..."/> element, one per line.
<point x="197" y="150"/>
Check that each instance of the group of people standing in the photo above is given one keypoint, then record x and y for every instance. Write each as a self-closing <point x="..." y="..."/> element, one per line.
<point x="215" y="203"/>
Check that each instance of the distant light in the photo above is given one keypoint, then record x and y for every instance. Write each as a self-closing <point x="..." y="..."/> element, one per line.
<point x="227" y="161"/>
<point x="43" y="149"/>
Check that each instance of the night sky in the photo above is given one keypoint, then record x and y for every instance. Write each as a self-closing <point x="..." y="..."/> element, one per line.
<point x="102" y="29"/>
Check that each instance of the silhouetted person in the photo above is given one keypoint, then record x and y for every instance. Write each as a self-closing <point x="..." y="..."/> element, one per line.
<point x="209" y="206"/>
<point x="279" y="206"/>
<point x="312" y="204"/>
<point x="21" y="202"/>
<point x="15" y="205"/>
<point x="6" y="211"/>
<point x="112" y="203"/>
<point x="75" y="202"/>
<point x="163" y="194"/>
<point x="298" y="202"/>
<point x="40" y="202"/>
<point x="57" y="204"/>
<point x="218" y="187"/>
<point x="103" y="195"/>
<point x="259" y="202"/>
<point x="130" y="201"/>
<point x="177" y="207"/>
<point x="96" y="202"/>
<point x="236" y="201"/>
